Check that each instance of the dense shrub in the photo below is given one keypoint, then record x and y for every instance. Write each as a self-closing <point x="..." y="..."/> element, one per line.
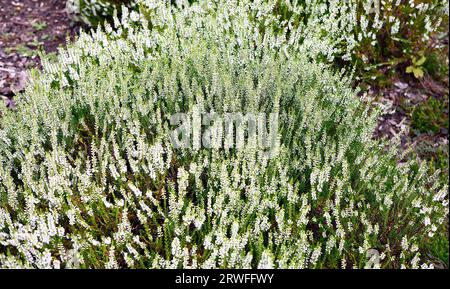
<point x="371" y="35"/>
<point x="376" y="36"/>
<point x="89" y="178"/>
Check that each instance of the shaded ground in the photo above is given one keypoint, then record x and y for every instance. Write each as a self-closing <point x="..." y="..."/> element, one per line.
<point x="417" y="110"/>
<point x="27" y="27"/>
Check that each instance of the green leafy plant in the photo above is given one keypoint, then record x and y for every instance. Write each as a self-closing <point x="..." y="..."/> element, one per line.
<point x="431" y="115"/>
<point x="39" y="25"/>
<point x="439" y="248"/>
<point x="416" y="67"/>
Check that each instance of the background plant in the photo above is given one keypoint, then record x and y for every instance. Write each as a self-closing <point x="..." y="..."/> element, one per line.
<point x="375" y="37"/>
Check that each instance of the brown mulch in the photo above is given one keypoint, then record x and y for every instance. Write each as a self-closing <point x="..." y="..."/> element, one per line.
<point x="398" y="101"/>
<point x="26" y="27"/>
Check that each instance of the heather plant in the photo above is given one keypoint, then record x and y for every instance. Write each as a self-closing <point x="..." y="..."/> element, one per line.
<point x="373" y="36"/>
<point x="89" y="177"/>
<point x="378" y="36"/>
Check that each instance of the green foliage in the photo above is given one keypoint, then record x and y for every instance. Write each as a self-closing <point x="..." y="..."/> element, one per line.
<point x="438" y="247"/>
<point x="405" y="30"/>
<point x="416" y="67"/>
<point x="39" y="25"/>
<point x="431" y="115"/>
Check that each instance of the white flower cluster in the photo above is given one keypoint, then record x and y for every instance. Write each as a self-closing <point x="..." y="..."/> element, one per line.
<point x="355" y="31"/>
<point x="89" y="179"/>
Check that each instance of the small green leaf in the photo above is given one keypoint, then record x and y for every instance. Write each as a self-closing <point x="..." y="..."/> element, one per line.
<point x="409" y="69"/>
<point x="421" y="61"/>
<point x="418" y="72"/>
